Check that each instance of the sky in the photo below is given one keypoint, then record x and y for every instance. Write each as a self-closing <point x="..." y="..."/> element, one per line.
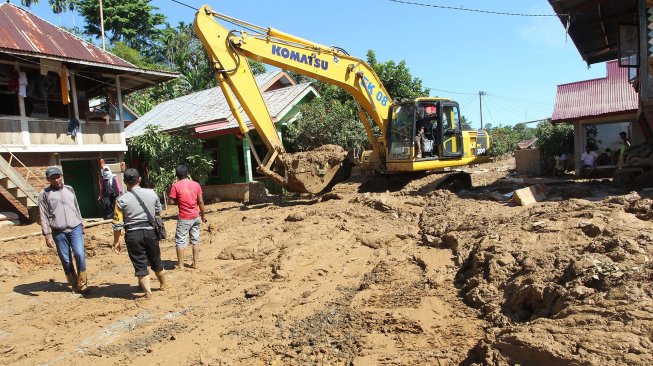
<point x="516" y="60"/>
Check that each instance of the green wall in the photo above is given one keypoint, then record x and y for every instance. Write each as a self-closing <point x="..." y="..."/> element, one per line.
<point x="228" y="150"/>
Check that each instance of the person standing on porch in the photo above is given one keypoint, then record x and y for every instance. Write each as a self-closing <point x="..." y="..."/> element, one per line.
<point x="63" y="228"/>
<point x="188" y="195"/>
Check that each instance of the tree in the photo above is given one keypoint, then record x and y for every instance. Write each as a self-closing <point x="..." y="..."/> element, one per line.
<point x="397" y="79"/>
<point x="58" y="6"/>
<point x="466" y="126"/>
<point x="504" y="140"/>
<point x="162" y="153"/>
<point x="324" y="121"/>
<point x="133" y="22"/>
<point x="553" y="140"/>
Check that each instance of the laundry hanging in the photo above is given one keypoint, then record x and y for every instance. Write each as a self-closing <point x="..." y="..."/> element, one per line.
<point x="22" y="84"/>
<point x="73" y="127"/>
<point x="65" y="97"/>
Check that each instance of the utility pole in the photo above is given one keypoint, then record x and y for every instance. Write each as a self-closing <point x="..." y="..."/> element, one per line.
<point x="102" y="25"/>
<point x="480" y="104"/>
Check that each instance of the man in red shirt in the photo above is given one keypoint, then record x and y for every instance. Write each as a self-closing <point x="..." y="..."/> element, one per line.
<point x="188" y="196"/>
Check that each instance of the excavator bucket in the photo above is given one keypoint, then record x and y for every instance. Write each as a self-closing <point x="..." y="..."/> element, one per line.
<point x="312" y="171"/>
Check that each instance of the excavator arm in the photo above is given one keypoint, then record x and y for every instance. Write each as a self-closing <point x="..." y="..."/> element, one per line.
<point x="229" y="50"/>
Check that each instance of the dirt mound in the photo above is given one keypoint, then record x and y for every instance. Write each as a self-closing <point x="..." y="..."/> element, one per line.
<point x="560" y="283"/>
<point x="312" y="171"/>
<point x="405" y="276"/>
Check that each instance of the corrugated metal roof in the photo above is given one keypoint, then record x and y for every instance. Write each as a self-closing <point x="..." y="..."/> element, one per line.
<point x="612" y="94"/>
<point x="594" y="25"/>
<point x="210" y="106"/>
<point x="23" y="31"/>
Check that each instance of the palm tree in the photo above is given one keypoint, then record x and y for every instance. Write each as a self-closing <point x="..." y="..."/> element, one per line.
<point x="58" y="6"/>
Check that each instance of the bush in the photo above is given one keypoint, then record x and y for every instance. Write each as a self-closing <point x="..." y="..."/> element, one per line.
<point x="163" y="152"/>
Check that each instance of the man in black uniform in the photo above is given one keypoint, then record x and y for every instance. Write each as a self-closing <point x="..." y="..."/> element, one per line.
<point x="140" y="237"/>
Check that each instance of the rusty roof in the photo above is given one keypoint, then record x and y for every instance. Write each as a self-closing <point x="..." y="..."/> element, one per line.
<point x="604" y="96"/>
<point x="23" y="31"/>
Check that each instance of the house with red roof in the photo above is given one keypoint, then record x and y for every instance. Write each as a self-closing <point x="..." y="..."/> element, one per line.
<point x="599" y="110"/>
<point x="207" y="116"/>
<point x="48" y="80"/>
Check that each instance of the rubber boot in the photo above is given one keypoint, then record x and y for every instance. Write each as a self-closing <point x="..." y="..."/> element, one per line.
<point x="82" y="282"/>
<point x="144" y="282"/>
<point x="163" y="281"/>
<point x="72" y="281"/>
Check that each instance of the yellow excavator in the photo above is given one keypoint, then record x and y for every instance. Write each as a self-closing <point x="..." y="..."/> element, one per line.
<point x="424" y="134"/>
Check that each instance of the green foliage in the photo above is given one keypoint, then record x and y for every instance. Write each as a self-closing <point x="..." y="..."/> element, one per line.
<point x="163" y="152"/>
<point x="397" y="79"/>
<point x="122" y="50"/>
<point x="335" y="119"/>
<point x="323" y="122"/>
<point x="503" y="140"/>
<point x="553" y="140"/>
<point x="58" y="6"/>
<point x="133" y="22"/>
<point x="257" y="67"/>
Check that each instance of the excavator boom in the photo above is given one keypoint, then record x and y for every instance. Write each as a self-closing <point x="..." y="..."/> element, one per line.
<point x="305" y="172"/>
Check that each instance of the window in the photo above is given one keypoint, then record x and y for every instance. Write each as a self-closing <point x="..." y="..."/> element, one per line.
<point x="401" y="132"/>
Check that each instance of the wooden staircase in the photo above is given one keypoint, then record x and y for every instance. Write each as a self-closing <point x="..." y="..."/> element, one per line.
<point x="19" y="188"/>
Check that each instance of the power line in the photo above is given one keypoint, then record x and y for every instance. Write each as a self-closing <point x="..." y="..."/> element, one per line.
<point x="489" y="111"/>
<point x="448" y="91"/>
<point x="461" y="8"/>
<point x="520" y="100"/>
<point x="186" y="5"/>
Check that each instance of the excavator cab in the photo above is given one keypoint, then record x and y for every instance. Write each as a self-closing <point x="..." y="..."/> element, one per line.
<point x="442" y="136"/>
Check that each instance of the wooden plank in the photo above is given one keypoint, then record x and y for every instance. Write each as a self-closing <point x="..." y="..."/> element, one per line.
<point x="10" y="132"/>
<point x="86" y="225"/>
<point x="49" y="132"/>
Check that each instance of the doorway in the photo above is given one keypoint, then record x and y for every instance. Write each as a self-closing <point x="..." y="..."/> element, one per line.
<point x="79" y="174"/>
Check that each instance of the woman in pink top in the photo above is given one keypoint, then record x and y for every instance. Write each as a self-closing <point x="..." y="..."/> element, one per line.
<point x="188" y="196"/>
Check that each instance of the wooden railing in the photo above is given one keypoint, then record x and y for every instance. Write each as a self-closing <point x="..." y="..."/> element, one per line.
<point x="29" y="172"/>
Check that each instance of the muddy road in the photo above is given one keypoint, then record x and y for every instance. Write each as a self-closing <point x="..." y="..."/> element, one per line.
<point x="410" y="276"/>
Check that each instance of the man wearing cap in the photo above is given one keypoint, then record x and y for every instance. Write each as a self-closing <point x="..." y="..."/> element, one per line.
<point x="140" y="237"/>
<point x="62" y="226"/>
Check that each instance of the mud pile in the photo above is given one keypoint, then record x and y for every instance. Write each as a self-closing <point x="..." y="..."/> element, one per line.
<point x="400" y="274"/>
<point x="560" y="283"/>
<point x="312" y="171"/>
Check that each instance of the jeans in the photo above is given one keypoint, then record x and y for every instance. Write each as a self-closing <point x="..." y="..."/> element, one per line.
<point x="67" y="241"/>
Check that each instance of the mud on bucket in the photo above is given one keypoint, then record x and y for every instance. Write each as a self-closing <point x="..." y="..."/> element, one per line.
<point x="312" y="171"/>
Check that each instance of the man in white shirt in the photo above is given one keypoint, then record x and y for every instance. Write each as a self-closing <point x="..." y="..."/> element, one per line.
<point x="588" y="158"/>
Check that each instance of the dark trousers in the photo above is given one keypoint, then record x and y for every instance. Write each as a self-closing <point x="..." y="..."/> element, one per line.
<point x="109" y="202"/>
<point x="143" y="248"/>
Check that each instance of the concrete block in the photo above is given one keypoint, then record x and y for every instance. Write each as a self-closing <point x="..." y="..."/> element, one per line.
<point x="530" y="195"/>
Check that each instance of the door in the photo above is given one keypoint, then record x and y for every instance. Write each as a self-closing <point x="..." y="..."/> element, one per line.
<point x="451" y="131"/>
<point x="80" y="174"/>
<point x="401" y="132"/>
